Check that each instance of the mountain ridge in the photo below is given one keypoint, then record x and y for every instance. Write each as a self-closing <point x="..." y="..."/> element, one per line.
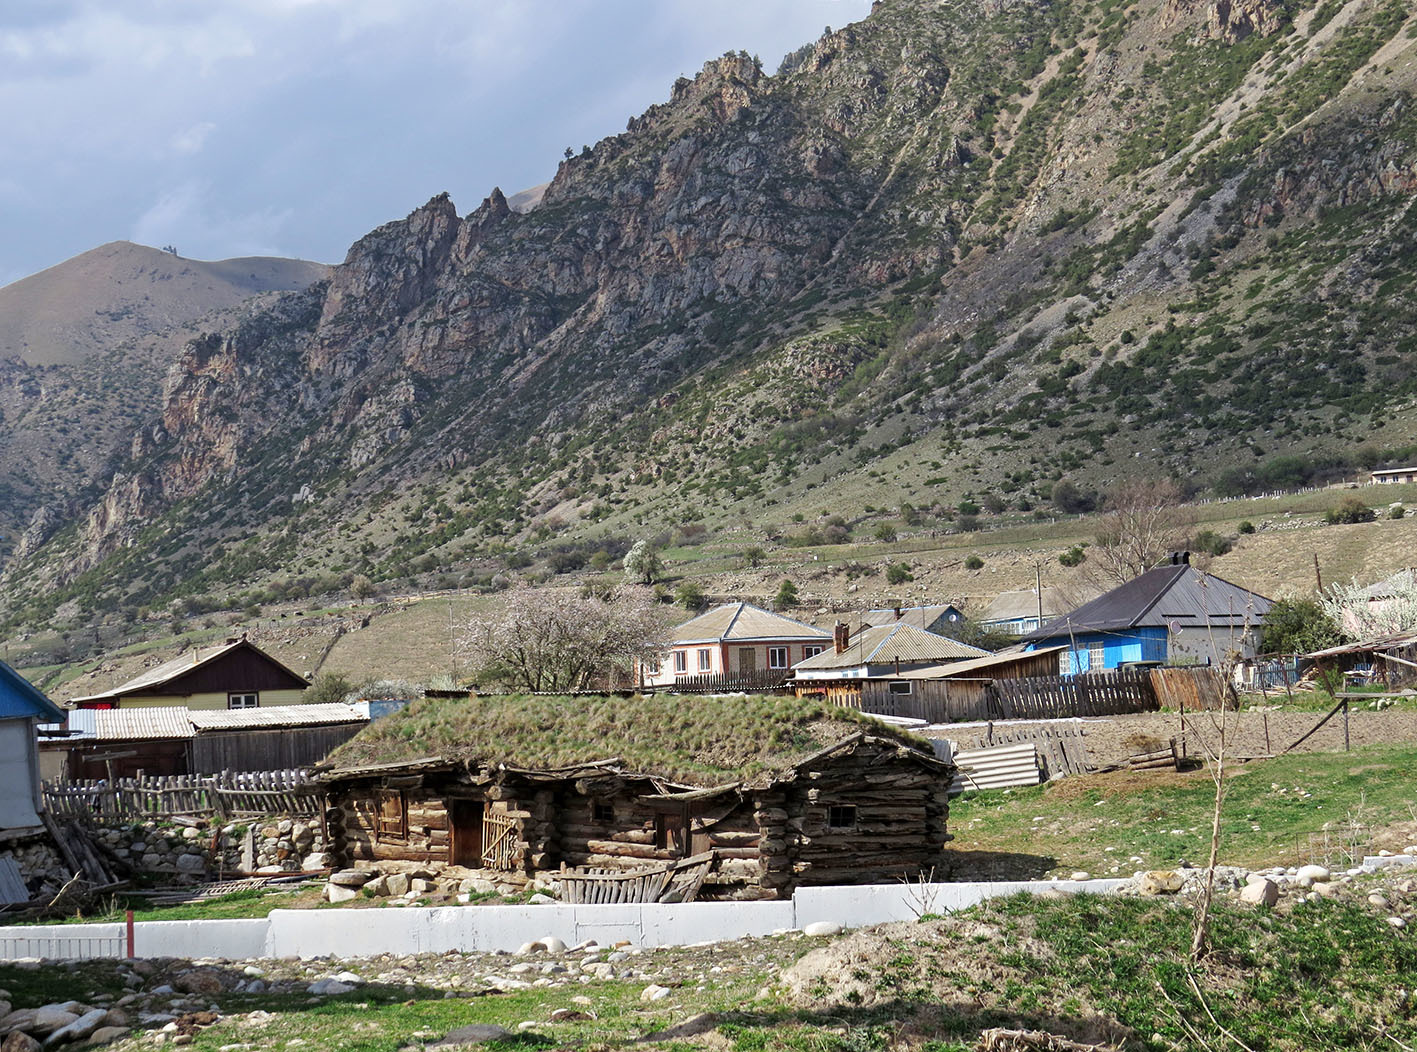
<point x="949" y="252"/>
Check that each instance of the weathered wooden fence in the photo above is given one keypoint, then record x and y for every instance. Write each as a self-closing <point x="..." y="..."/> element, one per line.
<point x="226" y="795"/>
<point x="759" y="681"/>
<point x="1029" y="698"/>
<point x="1192" y="689"/>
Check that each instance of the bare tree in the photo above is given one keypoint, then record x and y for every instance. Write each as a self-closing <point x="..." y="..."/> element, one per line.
<point x="1143" y="521"/>
<point x="540" y="640"/>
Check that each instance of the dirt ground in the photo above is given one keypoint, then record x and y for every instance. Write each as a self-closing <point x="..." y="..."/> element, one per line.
<point x="1250" y="734"/>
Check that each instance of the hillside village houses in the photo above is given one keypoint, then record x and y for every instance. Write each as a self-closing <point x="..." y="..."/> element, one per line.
<point x="883" y="651"/>
<point x="1172" y="613"/>
<point x="734" y="638"/>
<point x="235" y="675"/>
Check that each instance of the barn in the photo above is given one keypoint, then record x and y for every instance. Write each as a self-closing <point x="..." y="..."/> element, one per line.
<point x="768" y="794"/>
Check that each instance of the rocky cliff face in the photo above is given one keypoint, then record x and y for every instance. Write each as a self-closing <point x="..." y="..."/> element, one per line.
<point x="1002" y="232"/>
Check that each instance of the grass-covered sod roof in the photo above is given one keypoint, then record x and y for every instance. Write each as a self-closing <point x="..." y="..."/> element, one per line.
<point x="699" y="741"/>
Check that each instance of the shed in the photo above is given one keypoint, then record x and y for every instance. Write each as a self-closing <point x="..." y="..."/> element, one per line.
<point x="236" y="675"/>
<point x="23" y="707"/>
<point x="103" y="743"/>
<point x="935" y="617"/>
<point x="773" y="794"/>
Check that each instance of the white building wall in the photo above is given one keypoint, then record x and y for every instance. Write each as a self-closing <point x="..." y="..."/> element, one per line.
<point x="19" y="774"/>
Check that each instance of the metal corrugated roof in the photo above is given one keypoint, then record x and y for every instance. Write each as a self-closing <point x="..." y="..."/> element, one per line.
<point x="275" y="716"/>
<point x="21" y="699"/>
<point x="741" y="622"/>
<point x="919" y="616"/>
<point x="980" y="664"/>
<point x="889" y="643"/>
<point x="1369" y="646"/>
<point x="1022" y="604"/>
<point x="1167" y="597"/>
<point x="158" y="722"/>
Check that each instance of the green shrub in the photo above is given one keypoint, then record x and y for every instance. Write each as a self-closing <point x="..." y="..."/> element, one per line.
<point x="1297" y="626"/>
<point x="898" y="573"/>
<point x="974" y="563"/>
<point x="1396" y="512"/>
<point x="1349" y="510"/>
<point x="1247" y="527"/>
<point x="690" y="596"/>
<point x="1074" y="556"/>
<point x="1210" y="543"/>
<point x="786" y="596"/>
<point x="885" y="532"/>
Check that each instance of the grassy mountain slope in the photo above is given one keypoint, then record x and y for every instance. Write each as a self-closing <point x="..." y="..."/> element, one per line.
<point x="948" y="255"/>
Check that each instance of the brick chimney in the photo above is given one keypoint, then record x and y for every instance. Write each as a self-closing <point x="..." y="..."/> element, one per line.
<point x="896" y="610"/>
<point x="841" y="637"/>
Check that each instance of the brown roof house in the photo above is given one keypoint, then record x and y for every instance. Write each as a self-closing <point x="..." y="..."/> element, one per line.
<point x="736" y="639"/>
<point x="236" y="675"/>
<point x="750" y="796"/>
<point x="887" y="650"/>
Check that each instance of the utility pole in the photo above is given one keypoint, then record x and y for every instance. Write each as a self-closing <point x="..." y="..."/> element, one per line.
<point x="1318" y="577"/>
<point x="1038" y="587"/>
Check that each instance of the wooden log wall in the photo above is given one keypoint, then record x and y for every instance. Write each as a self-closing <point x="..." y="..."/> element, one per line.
<point x="901" y="813"/>
<point x="426" y="836"/>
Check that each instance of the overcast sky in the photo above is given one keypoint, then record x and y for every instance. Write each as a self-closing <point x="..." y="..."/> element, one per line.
<point x="292" y="127"/>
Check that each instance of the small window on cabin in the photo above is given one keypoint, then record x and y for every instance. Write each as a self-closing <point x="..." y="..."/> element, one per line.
<point x="243" y="701"/>
<point x="901" y="687"/>
<point x="602" y="811"/>
<point x="393" y="812"/>
<point x="1096" y="657"/>
<point x="705" y="660"/>
<point x="841" y="816"/>
<point x="681" y="661"/>
<point x="777" y="657"/>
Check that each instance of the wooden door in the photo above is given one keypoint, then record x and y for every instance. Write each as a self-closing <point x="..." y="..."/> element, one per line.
<point x="499" y="839"/>
<point x="671" y="831"/>
<point x="747" y="659"/>
<point x="465" y="817"/>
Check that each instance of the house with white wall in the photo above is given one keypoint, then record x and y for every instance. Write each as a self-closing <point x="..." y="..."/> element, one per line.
<point x="734" y="638"/>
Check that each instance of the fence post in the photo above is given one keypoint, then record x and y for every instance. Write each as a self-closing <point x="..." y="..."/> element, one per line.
<point x="131" y="953"/>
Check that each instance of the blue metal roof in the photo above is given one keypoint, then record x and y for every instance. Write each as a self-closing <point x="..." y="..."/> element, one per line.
<point x="20" y="699"/>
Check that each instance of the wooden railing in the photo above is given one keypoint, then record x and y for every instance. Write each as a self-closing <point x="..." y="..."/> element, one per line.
<point x="226" y="795"/>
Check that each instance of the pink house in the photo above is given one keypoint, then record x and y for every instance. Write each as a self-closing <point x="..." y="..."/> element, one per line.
<point x="736" y="637"/>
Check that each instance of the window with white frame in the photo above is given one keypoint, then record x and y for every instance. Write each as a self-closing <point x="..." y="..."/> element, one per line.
<point x="681" y="661"/>
<point x="705" y="660"/>
<point x="777" y="657"/>
<point x="1096" y="656"/>
<point x="243" y="701"/>
<point x="811" y="651"/>
<point x="900" y="686"/>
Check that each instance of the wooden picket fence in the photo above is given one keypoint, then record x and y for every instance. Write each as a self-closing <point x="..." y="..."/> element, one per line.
<point x="230" y="794"/>
<point x="759" y="681"/>
<point x="1028" y="698"/>
<point x="1091" y="694"/>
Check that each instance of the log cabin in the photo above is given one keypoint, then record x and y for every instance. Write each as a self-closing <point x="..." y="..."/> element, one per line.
<point x="776" y="793"/>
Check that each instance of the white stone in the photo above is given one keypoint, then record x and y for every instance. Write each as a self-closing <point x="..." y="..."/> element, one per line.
<point x="1397" y="922"/>
<point x="329" y="987"/>
<point x="540" y="900"/>
<point x="349" y="978"/>
<point x="335" y="893"/>
<point x="1380" y="901"/>
<point x="315" y="860"/>
<point x="1080" y="874"/>
<point x="531" y="947"/>
<point x="654" y="992"/>
<point x="52" y="1017"/>
<point x="818" y="928"/>
<point x="191" y="834"/>
<point x="552" y="944"/>
<point x="1308" y="876"/>
<point x="1261" y="892"/>
<point x="1410" y="849"/>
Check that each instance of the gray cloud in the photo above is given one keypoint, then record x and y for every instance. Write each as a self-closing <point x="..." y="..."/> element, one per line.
<point x="294" y="126"/>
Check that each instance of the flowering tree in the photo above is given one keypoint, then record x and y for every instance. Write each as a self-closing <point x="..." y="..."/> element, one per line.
<point x="1370" y="613"/>
<point x="539" y="640"/>
<point x="642" y="563"/>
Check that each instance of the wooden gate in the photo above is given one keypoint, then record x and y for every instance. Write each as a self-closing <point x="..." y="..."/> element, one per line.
<point x="499" y="837"/>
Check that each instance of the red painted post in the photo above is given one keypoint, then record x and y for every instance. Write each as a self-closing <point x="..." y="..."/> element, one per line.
<point x="131" y="954"/>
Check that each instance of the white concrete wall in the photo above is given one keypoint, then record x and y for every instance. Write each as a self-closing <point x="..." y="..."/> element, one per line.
<point x="407" y="930"/>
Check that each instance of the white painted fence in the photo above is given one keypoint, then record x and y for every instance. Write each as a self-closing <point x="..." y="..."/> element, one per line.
<point x="407" y="930"/>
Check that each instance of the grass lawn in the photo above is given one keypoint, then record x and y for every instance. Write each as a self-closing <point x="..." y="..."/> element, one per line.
<point x="1272" y="807"/>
